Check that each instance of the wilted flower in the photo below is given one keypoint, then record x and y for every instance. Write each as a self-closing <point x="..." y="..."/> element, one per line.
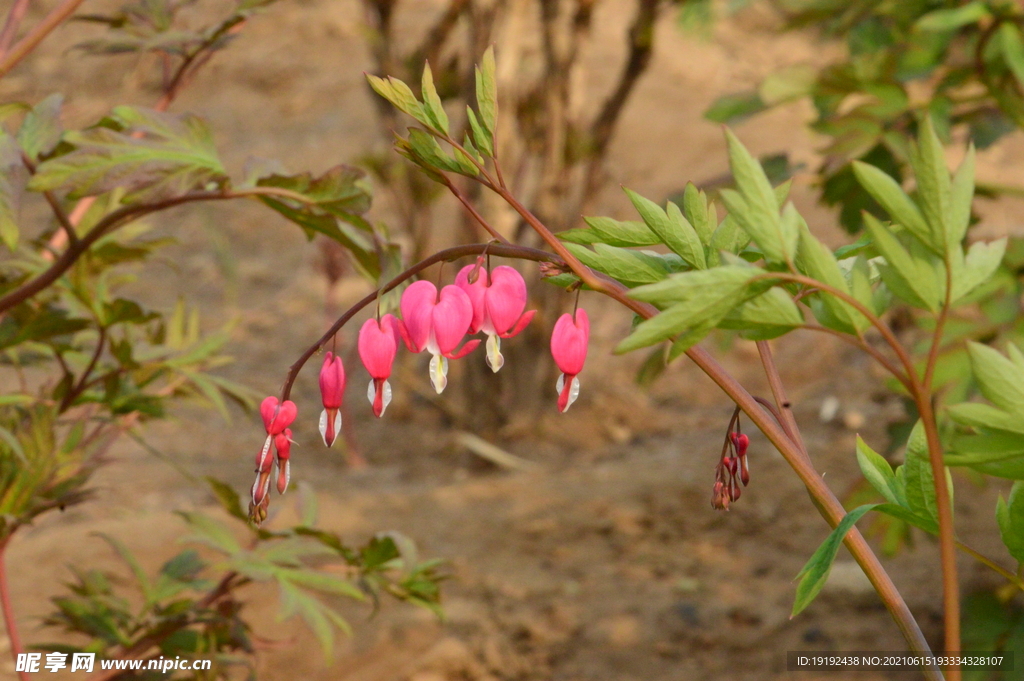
<point x="498" y="299"/>
<point x="569" y="341"/>
<point x="436" y="324"/>
<point x="332" y="392"/>
<point x="378" y="344"/>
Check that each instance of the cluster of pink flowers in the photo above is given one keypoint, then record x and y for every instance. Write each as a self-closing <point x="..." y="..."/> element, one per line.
<point x="492" y="302"/>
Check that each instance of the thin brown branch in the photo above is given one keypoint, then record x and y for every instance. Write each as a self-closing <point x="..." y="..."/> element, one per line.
<point x="473" y="211"/>
<point x="10" y="30"/>
<point x="782" y="402"/>
<point x="447" y="255"/>
<point x="5" y="602"/>
<point x="83" y="380"/>
<point x="25" y="46"/>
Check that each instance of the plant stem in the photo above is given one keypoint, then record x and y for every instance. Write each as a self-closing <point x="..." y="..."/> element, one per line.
<point x="10" y="29"/>
<point x="827" y="503"/>
<point x="37" y="34"/>
<point x="782" y="402"/>
<point x="5" y="603"/>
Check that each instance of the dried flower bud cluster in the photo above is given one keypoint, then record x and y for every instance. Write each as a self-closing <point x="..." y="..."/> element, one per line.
<point x="481" y="300"/>
<point x="732" y="469"/>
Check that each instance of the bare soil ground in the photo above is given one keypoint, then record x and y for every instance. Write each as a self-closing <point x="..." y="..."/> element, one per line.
<point x="607" y="563"/>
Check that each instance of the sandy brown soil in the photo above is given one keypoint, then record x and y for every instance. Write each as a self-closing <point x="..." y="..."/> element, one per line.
<point x="606" y="563"/>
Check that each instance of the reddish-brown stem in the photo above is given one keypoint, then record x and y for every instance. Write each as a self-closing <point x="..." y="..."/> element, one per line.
<point x="782" y="402"/>
<point x="827" y="503"/>
<point x="861" y="345"/>
<point x="923" y="401"/>
<point x="5" y="603"/>
<point x="10" y="29"/>
<point x="449" y="254"/>
<point x="25" y="46"/>
<point x="472" y="210"/>
<point x="118" y="218"/>
<point x="943" y="503"/>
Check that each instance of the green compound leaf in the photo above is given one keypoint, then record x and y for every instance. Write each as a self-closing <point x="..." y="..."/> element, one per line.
<point x="432" y="105"/>
<point x="900" y="207"/>
<point x="815" y="573"/>
<point x="41" y="130"/>
<point x="672" y="229"/>
<point x="487" y="92"/>
<point x="170" y="156"/>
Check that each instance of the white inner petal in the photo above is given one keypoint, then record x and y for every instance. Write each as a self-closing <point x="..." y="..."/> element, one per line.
<point x="560" y="384"/>
<point x="439" y="373"/>
<point x="574" y="392"/>
<point x="265" y="452"/>
<point x="371" y="392"/>
<point x="337" y="425"/>
<point x="494" y="358"/>
<point x="323" y="426"/>
<point x="385" y="397"/>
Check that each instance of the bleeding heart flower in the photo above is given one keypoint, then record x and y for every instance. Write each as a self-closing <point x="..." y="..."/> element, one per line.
<point x="277" y="416"/>
<point x="332" y="392"/>
<point x="436" y="324"/>
<point x="569" y="348"/>
<point x="378" y="345"/>
<point x="498" y="302"/>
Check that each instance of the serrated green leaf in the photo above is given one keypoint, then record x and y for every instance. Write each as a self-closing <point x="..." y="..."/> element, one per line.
<point x="815" y="260"/>
<point x="918" y="481"/>
<point x="1010" y="516"/>
<point x="400" y="95"/>
<point x="432" y="104"/>
<point x="767" y="316"/>
<point x="979" y="415"/>
<point x="733" y="108"/>
<point x="13" y="177"/>
<point x="960" y="199"/>
<point x="981" y="262"/>
<point x="756" y="207"/>
<point x="695" y="207"/>
<point x="482" y="137"/>
<point x="912" y="279"/>
<point x="173" y="156"/>
<point x="41" y="130"/>
<point x="692" y="248"/>
<point x="877" y="471"/>
<point x="900" y="207"/>
<point x="632" y="268"/>
<point x="695" y="303"/>
<point x="487" y="92"/>
<point x="1000" y="379"/>
<point x="815" y="572"/>
<point x="933" y="184"/>
<point x="129" y="559"/>
<point x="211" y="533"/>
<point x="674" y="231"/>
<point x="625" y="234"/>
<point x="728" y="237"/>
